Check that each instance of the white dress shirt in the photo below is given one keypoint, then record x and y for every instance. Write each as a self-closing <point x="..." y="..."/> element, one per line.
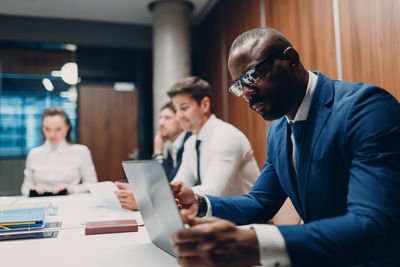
<point x="48" y="165"/>
<point x="270" y="240"/>
<point x="227" y="163"/>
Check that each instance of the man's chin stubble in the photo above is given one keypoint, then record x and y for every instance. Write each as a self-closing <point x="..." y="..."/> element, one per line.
<point x="269" y="116"/>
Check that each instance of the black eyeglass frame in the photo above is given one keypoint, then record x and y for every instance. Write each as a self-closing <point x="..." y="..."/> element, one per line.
<point x="237" y="87"/>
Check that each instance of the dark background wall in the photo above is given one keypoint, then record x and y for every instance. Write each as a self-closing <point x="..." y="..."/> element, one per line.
<point x="85" y="33"/>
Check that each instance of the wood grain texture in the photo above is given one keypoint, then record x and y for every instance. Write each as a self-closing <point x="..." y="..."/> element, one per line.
<point x="370" y="36"/>
<point x="309" y="26"/>
<point x="231" y="18"/>
<point x="240" y="16"/>
<point x="108" y="125"/>
<point x="307" y="23"/>
<point x="214" y="36"/>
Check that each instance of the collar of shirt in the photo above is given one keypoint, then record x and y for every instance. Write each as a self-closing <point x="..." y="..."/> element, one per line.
<point x="302" y="112"/>
<point x="206" y="128"/>
<point x="177" y="144"/>
<point x="59" y="147"/>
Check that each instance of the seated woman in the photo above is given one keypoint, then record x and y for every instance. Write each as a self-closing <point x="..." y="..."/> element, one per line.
<point x="59" y="164"/>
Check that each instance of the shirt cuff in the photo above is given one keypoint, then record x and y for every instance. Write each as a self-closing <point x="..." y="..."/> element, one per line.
<point x="272" y="245"/>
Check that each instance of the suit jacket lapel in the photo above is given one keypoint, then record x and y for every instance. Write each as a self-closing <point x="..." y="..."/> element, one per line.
<point x="318" y="115"/>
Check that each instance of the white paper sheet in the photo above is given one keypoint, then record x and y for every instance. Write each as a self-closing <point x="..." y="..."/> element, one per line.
<point x="104" y="193"/>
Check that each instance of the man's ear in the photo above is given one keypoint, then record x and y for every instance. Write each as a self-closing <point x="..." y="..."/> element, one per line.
<point x="205" y="104"/>
<point x="291" y="54"/>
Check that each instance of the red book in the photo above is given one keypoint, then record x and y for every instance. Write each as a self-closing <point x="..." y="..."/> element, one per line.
<point x="106" y="227"/>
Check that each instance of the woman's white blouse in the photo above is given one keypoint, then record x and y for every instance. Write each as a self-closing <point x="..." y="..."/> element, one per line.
<point x="48" y="165"/>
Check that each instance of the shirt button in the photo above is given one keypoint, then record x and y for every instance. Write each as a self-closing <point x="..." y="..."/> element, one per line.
<point x="277" y="264"/>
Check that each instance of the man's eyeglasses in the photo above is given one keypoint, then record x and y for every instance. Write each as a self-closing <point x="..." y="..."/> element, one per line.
<point x="249" y="78"/>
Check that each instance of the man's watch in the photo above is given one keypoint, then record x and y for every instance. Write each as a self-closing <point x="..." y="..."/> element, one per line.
<point x="202" y="206"/>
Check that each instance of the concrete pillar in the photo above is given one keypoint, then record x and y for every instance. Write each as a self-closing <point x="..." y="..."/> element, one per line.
<point x="171" y="48"/>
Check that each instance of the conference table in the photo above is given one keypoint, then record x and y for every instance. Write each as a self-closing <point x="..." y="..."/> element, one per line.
<point x="72" y="247"/>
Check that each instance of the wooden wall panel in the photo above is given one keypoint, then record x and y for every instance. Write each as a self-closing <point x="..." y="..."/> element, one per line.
<point x="240" y="16"/>
<point x="370" y="36"/>
<point x="309" y="26"/>
<point x="108" y="125"/>
<point x="213" y="39"/>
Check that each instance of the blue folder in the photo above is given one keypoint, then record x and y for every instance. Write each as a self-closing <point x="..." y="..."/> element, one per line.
<point x="22" y="216"/>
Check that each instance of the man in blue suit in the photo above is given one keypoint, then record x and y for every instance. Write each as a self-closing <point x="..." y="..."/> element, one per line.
<point x="333" y="149"/>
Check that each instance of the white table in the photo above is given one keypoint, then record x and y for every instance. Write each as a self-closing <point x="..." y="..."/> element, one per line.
<point x="73" y="248"/>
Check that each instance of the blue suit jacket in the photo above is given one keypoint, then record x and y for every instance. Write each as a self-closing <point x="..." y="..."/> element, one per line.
<point x="348" y="178"/>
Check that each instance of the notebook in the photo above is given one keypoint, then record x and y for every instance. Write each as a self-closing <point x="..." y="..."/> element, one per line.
<point x="25" y="216"/>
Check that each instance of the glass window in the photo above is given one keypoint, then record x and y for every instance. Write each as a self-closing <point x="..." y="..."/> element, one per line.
<point x="23" y="98"/>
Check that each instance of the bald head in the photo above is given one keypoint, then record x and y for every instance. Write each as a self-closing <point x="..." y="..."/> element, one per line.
<point x="267" y="40"/>
<point x="254" y="45"/>
<point x="279" y="83"/>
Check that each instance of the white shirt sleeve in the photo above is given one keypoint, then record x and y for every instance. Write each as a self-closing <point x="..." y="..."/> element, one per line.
<point x="270" y="241"/>
<point x="222" y="166"/>
<point x="87" y="171"/>
<point x="272" y="245"/>
<point x="28" y="176"/>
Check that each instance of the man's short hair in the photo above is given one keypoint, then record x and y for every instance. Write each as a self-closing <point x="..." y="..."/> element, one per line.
<point x="193" y="86"/>
<point x="170" y="106"/>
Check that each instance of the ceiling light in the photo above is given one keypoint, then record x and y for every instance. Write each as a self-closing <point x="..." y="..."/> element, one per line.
<point x="70" y="47"/>
<point x="124" y="87"/>
<point x="48" y="84"/>
<point x="55" y="73"/>
<point x="69" y="73"/>
<point x="71" y="94"/>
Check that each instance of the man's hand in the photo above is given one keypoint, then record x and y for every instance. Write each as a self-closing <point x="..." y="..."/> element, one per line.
<point x="125" y="196"/>
<point x="186" y="199"/>
<point x="38" y="189"/>
<point x="123" y="185"/>
<point x="59" y="187"/>
<point x="158" y="143"/>
<point x="215" y="242"/>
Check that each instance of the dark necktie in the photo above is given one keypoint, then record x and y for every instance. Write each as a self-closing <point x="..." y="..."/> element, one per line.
<point x="297" y="130"/>
<point x="179" y="156"/>
<point x="198" y="161"/>
<point x="168" y="164"/>
<point x="170" y="161"/>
